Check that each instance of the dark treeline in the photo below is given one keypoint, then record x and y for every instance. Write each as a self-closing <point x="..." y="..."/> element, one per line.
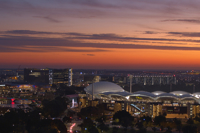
<point x="34" y="119"/>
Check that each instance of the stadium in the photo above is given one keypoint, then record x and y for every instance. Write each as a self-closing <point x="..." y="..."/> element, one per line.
<point x="177" y="104"/>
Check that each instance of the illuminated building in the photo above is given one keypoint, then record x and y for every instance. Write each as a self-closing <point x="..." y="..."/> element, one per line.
<point x="177" y="104"/>
<point x="57" y="76"/>
<point x="48" y="76"/>
<point x="152" y="79"/>
<point x="15" y="89"/>
<point x="32" y="75"/>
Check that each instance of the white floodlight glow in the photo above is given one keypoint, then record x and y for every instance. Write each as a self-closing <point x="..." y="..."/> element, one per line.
<point x="127" y="97"/>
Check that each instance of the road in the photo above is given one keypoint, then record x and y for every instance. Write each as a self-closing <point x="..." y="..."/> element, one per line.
<point x="73" y="126"/>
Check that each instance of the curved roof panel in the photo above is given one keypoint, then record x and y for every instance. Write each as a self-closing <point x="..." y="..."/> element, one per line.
<point x="196" y="93"/>
<point x="179" y="92"/>
<point x="102" y="87"/>
<point x="186" y="96"/>
<point x="144" y="93"/>
<point x="158" y="92"/>
<point x="167" y="95"/>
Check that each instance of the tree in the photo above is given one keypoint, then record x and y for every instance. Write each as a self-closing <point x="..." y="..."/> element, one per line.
<point x="101" y="125"/>
<point x="67" y="119"/>
<point x="55" y="107"/>
<point x="178" y="124"/>
<point x="124" y="118"/>
<point x="169" y="130"/>
<point x="88" y="126"/>
<point x="190" y="121"/>
<point x="154" y="129"/>
<point x="18" y="121"/>
<point x="159" y="119"/>
<point x="146" y="118"/>
<point x="189" y="128"/>
<point x="142" y="130"/>
<point x="115" y="130"/>
<point x="132" y="130"/>
<point x="90" y="112"/>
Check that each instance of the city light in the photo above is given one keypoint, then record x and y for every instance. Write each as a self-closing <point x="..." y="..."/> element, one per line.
<point x="71" y="127"/>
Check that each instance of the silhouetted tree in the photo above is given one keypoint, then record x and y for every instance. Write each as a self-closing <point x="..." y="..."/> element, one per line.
<point x="55" y="107"/>
<point x="115" y="130"/>
<point x="189" y="128"/>
<point x="88" y="126"/>
<point x="178" y="124"/>
<point x="124" y="118"/>
<point x="159" y="119"/>
<point x="101" y="125"/>
<point x="90" y="112"/>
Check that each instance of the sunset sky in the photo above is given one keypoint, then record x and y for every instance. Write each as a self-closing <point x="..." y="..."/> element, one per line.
<point x="100" y="34"/>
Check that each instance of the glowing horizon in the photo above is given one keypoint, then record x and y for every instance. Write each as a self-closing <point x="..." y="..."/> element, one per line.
<point x="158" y="35"/>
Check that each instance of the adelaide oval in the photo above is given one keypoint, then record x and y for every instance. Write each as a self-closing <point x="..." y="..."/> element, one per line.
<point x="177" y="104"/>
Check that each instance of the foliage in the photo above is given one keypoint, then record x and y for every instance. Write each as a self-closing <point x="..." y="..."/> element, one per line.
<point x="169" y="130"/>
<point x="101" y="125"/>
<point x="19" y="121"/>
<point x="178" y="124"/>
<point x="90" y="112"/>
<point x="154" y="129"/>
<point x="190" y="121"/>
<point x="114" y="130"/>
<point x="142" y="130"/>
<point x="67" y="119"/>
<point x="125" y="119"/>
<point x="159" y="119"/>
<point x="88" y="126"/>
<point x="55" y="107"/>
<point x="189" y="128"/>
<point x="146" y="119"/>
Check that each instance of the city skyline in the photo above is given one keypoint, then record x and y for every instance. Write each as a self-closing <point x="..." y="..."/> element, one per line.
<point x="135" y="35"/>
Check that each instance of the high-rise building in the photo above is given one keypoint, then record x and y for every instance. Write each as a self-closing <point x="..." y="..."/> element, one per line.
<point x="32" y="75"/>
<point x="57" y="76"/>
<point x="48" y="76"/>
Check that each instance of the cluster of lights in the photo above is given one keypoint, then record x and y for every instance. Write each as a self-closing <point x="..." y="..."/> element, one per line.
<point x="197" y="96"/>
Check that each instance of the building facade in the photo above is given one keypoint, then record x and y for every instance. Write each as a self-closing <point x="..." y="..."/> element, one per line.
<point x="48" y="76"/>
<point x="177" y="104"/>
<point x="58" y="76"/>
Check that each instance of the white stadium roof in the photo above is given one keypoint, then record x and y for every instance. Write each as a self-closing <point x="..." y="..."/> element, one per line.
<point x="158" y="92"/>
<point x="179" y="92"/>
<point x="143" y="93"/>
<point x="102" y="87"/>
<point x="109" y="88"/>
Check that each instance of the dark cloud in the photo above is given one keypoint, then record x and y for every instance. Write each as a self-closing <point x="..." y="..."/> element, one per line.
<point x="36" y="44"/>
<point x="50" y="19"/>
<point x="26" y="32"/>
<point x="185" y="34"/>
<point x="30" y="32"/>
<point x="150" y="32"/>
<point x="197" y="21"/>
<point x="110" y="37"/>
<point x="94" y="3"/>
<point x="90" y="54"/>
